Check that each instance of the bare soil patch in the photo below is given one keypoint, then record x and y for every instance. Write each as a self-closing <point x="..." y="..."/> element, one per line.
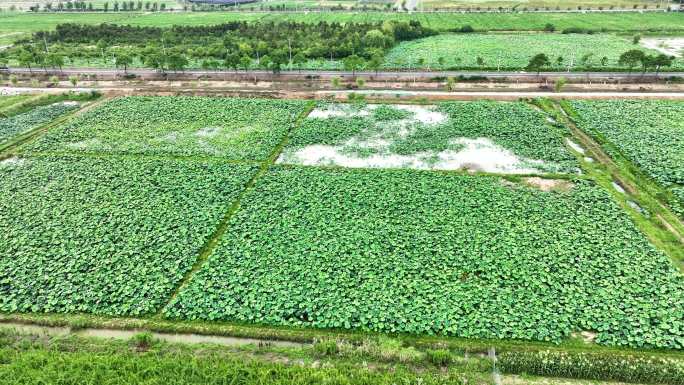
<point x="549" y="184"/>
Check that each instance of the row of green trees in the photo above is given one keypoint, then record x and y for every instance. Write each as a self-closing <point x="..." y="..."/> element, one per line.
<point x="232" y="45"/>
<point x="630" y="59"/>
<point x="116" y="6"/>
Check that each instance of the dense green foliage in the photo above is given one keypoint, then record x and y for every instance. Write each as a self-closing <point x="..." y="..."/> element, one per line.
<point x="265" y="45"/>
<point x="423" y="252"/>
<point x="246" y="129"/>
<point x="594" y="366"/>
<point x="427" y="132"/>
<point x="106" y="236"/>
<point x="9" y="127"/>
<point x="679" y="194"/>
<point x="650" y="133"/>
<point x="513" y="51"/>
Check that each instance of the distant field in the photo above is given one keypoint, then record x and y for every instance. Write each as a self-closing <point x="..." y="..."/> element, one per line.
<point x="425" y="4"/>
<point x="541" y="4"/>
<point x="15" y="25"/>
<point x="26" y="4"/>
<point x="512" y="51"/>
<point x="615" y="22"/>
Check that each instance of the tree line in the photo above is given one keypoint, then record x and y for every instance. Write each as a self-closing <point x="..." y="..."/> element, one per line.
<point x="115" y="6"/>
<point x="264" y="45"/>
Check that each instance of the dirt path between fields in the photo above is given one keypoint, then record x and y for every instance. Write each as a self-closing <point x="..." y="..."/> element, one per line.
<point x="119" y="334"/>
<point x="398" y="95"/>
<point x="671" y="224"/>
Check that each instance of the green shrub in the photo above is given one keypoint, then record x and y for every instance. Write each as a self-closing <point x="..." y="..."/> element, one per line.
<point x="439" y="357"/>
<point x="594" y="366"/>
<point x="326" y="347"/>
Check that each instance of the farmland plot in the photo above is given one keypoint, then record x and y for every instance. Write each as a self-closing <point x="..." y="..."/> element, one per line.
<point x="512" y="51"/>
<point x="649" y="133"/>
<point x="422" y="252"/>
<point x="105" y="236"/>
<point x="481" y="136"/>
<point x="12" y="126"/>
<point x="241" y="129"/>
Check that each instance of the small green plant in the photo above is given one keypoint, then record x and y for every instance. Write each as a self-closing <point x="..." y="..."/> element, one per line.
<point x="450" y="84"/>
<point x="326" y="347"/>
<point x="143" y="341"/>
<point x="360" y="82"/>
<point x="54" y="80"/>
<point x="335" y="82"/>
<point x="14" y="79"/>
<point x="560" y="83"/>
<point x="34" y="83"/>
<point x="73" y="79"/>
<point x="439" y="357"/>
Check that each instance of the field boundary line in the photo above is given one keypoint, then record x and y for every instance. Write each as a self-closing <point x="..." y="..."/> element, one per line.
<point x="6" y="150"/>
<point x="224" y="224"/>
<point x="106" y="155"/>
<point x="662" y="228"/>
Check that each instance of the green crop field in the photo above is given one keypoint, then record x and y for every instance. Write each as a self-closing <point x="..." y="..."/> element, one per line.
<point x="538" y="4"/>
<point x="16" y="25"/>
<point x="14" y="125"/>
<point x="513" y="51"/>
<point x="230" y="128"/>
<point x="418" y="252"/>
<point x="648" y="133"/>
<point x="9" y="101"/>
<point x="97" y="4"/>
<point x="434" y="137"/>
<point x="320" y="221"/>
<point x="111" y="236"/>
<point x="522" y="21"/>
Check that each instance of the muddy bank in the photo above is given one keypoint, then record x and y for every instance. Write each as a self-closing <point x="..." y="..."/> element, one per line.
<point x="58" y="331"/>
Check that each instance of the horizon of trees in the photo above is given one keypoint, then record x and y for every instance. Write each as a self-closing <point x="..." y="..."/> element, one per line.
<point x="235" y="45"/>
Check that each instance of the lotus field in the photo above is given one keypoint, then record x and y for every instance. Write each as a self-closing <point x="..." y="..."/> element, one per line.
<point x="417" y="252"/>
<point x="513" y="51"/>
<point x="649" y="133"/>
<point x="15" y="125"/>
<point x="483" y="136"/>
<point x="105" y="236"/>
<point x="459" y="219"/>
<point x="238" y="129"/>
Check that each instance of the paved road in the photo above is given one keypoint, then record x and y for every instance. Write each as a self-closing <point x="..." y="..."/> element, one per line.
<point x="458" y="95"/>
<point x="380" y="75"/>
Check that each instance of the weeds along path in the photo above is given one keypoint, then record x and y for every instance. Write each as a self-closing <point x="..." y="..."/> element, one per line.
<point x="223" y="226"/>
<point x="633" y="191"/>
<point x="9" y="149"/>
